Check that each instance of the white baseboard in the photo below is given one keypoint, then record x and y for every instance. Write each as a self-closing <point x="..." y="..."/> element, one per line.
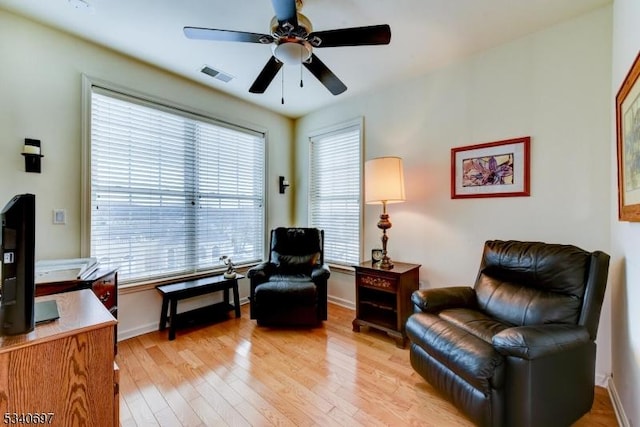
<point x="623" y="421"/>
<point x="602" y="380"/>
<point x="150" y="327"/>
<point x="341" y="302"/>
<point x="134" y="332"/>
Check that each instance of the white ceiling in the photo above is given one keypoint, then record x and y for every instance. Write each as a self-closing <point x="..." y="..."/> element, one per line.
<point x="425" y="34"/>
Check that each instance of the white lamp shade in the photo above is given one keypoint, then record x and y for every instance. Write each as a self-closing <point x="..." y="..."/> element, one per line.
<point x="383" y="180"/>
<point x="291" y="53"/>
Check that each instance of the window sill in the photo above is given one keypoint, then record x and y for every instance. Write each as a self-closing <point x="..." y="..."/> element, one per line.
<point x="134" y="287"/>
<point x="342" y="268"/>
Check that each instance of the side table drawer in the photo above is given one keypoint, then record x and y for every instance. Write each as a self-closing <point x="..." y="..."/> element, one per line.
<point x="105" y="289"/>
<point x="378" y="282"/>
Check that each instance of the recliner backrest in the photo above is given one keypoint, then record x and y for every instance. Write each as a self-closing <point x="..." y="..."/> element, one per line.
<point x="296" y="248"/>
<point x="528" y="283"/>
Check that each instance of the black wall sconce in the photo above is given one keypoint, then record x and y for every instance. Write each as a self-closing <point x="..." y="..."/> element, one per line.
<point x="283" y="184"/>
<point x="32" y="155"/>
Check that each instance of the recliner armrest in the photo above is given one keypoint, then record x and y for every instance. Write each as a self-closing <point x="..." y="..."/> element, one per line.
<point x="434" y="300"/>
<point x="320" y="272"/>
<point x="532" y="342"/>
<point x="261" y="271"/>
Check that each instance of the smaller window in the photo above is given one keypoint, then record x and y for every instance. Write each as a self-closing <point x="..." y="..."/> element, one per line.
<point x="335" y="191"/>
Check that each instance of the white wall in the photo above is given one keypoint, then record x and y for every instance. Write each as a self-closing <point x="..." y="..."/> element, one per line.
<point x="554" y="86"/>
<point x="40" y="97"/>
<point x="625" y="236"/>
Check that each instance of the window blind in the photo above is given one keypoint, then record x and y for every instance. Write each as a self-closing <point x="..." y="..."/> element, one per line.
<point x="335" y="182"/>
<point x="172" y="192"/>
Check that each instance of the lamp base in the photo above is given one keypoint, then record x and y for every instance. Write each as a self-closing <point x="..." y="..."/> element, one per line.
<point x="385" y="263"/>
<point x="384" y="224"/>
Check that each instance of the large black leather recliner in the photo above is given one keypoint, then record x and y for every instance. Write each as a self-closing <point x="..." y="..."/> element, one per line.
<point x="290" y="289"/>
<point x="518" y="349"/>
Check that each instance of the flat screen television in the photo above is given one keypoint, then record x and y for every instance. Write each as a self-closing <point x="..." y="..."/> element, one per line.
<point x="18" y="264"/>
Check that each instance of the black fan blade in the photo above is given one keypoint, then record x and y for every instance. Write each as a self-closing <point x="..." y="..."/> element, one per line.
<point x="324" y="74"/>
<point x="286" y="12"/>
<point x="265" y="77"/>
<point x="226" y="35"/>
<point x="357" y="36"/>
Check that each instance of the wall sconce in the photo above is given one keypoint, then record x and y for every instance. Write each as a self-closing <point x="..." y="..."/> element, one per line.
<point x="32" y="155"/>
<point x="283" y="183"/>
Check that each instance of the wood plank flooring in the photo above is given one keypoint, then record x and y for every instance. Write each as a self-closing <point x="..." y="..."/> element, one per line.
<point x="235" y="373"/>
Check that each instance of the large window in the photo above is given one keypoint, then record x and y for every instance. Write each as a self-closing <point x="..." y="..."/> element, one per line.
<point x="171" y="191"/>
<point x="335" y="191"/>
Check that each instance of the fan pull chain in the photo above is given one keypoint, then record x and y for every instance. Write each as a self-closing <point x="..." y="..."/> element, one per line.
<point x="282" y="87"/>
<point x="301" y="59"/>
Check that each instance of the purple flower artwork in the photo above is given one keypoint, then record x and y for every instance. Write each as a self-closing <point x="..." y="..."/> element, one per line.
<point x="488" y="171"/>
<point x="631" y="128"/>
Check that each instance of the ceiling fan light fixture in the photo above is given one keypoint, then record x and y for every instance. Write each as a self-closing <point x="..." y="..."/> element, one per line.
<point x="293" y="41"/>
<point x="304" y="24"/>
<point x="292" y="53"/>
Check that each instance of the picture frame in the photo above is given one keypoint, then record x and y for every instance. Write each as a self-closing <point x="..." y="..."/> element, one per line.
<point x="493" y="169"/>
<point x="628" y="144"/>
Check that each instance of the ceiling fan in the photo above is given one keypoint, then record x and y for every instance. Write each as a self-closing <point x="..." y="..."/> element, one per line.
<point x="292" y="41"/>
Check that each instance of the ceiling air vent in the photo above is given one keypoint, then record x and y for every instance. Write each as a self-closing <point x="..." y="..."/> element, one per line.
<point x="216" y="74"/>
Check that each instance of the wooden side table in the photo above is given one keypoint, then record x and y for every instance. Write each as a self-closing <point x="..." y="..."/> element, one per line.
<point x="174" y="292"/>
<point x="383" y="298"/>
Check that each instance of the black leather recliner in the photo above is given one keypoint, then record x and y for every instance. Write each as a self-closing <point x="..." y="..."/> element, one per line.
<point x="290" y="289"/>
<point x="517" y="349"/>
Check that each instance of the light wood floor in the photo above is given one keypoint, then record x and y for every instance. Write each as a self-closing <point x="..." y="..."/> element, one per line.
<point x="234" y="373"/>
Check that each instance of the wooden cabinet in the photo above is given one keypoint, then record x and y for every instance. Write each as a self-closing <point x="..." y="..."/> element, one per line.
<point x="103" y="282"/>
<point x="383" y="298"/>
<point x="63" y="371"/>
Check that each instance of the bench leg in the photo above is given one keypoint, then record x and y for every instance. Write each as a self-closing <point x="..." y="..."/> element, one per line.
<point x="172" y="319"/>
<point x="163" y="313"/>
<point x="225" y="293"/>
<point x="236" y="297"/>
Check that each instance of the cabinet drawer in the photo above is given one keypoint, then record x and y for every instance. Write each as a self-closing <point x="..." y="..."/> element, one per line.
<point x="378" y="282"/>
<point x="105" y="289"/>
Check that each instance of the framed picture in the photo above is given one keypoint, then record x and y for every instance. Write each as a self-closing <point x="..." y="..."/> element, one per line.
<point x="628" y="142"/>
<point x="493" y="169"/>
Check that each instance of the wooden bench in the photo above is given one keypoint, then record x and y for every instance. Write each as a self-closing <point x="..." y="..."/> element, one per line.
<point x="174" y="292"/>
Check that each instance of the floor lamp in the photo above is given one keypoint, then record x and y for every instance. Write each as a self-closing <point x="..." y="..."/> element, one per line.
<point x="384" y="183"/>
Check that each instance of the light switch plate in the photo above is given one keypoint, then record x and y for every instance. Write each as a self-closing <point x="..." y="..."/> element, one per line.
<point x="59" y="216"/>
<point x="8" y="258"/>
